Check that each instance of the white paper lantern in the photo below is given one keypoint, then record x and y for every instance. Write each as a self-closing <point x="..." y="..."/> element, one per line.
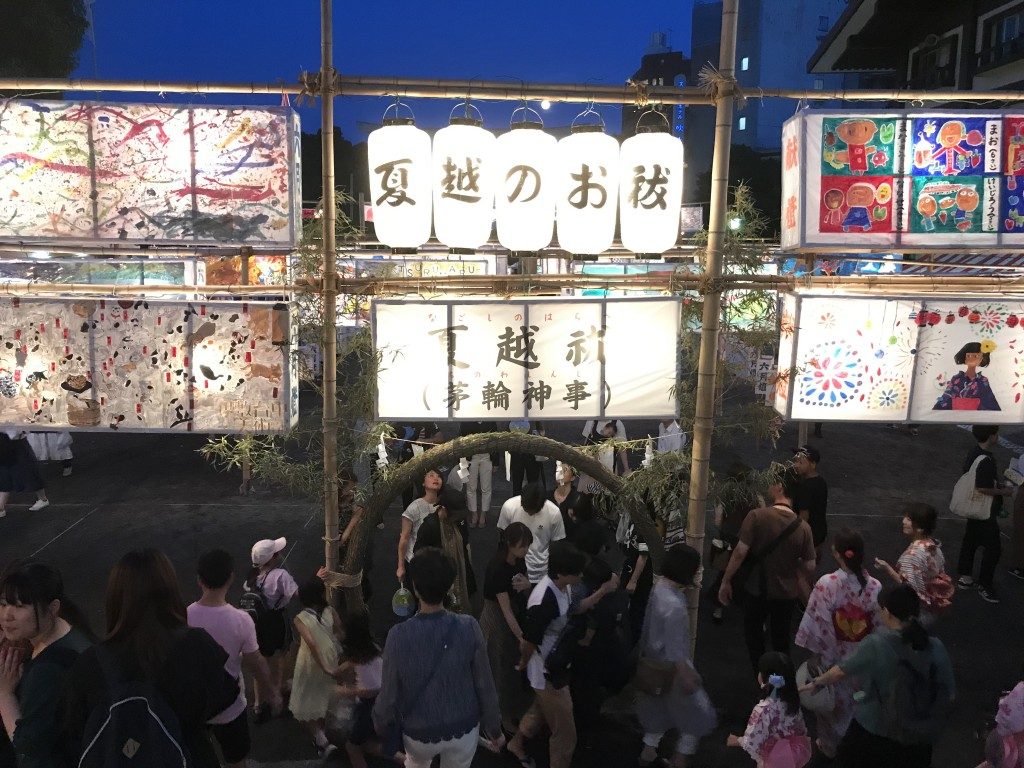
<point x="587" y="164"/>
<point x="463" y="179"/>
<point x="399" y="160"/>
<point x="650" y="191"/>
<point x="525" y="195"/>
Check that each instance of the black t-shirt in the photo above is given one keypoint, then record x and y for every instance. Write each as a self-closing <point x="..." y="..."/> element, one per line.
<point x="811" y="496"/>
<point x="498" y="578"/>
<point x="986" y="476"/>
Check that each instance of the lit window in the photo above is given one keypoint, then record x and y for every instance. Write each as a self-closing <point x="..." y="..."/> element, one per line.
<point x="743" y="124"/>
<point x="745" y="63"/>
<point x="818" y="83"/>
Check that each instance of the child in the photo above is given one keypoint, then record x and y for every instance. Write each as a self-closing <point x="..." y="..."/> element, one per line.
<point x="317" y="663"/>
<point x="776" y="736"/>
<point x="273" y="587"/>
<point x="362" y="655"/>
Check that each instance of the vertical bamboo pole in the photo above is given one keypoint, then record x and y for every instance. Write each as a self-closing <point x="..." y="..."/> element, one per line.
<point x="330" y="289"/>
<point x="704" y="418"/>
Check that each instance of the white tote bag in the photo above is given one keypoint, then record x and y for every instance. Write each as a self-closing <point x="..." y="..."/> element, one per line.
<point x="967" y="502"/>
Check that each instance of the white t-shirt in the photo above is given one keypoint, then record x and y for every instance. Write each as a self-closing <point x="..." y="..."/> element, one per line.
<point x="368" y="676"/>
<point x="620" y="428"/>
<point x="416" y="513"/>
<point x="235" y="632"/>
<point x="546" y="526"/>
<point x="535" y="666"/>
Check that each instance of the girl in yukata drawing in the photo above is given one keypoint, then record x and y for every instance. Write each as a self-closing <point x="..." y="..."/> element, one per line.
<point x="842" y="611"/>
<point x="969" y="390"/>
<point x="776" y="736"/>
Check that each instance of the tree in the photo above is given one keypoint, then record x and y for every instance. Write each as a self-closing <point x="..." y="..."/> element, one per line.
<point x="761" y="174"/>
<point x="41" y="38"/>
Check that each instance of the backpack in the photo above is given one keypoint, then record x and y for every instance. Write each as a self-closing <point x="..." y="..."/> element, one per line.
<point x="254" y="602"/>
<point x="134" y="728"/>
<point x="918" y="704"/>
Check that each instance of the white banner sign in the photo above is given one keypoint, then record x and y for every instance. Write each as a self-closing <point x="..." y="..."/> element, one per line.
<point x="543" y="359"/>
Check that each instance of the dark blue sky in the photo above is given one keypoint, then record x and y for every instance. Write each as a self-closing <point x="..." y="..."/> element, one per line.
<point x="599" y="41"/>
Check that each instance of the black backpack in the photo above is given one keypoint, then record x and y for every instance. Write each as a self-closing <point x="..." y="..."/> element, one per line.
<point x="254" y="602"/>
<point x="134" y="728"/>
<point x="918" y="705"/>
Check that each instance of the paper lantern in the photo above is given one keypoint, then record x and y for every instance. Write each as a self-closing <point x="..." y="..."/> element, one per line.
<point x="399" y="161"/>
<point x="463" y="180"/>
<point x="650" y="191"/>
<point x="587" y="189"/>
<point x="525" y="195"/>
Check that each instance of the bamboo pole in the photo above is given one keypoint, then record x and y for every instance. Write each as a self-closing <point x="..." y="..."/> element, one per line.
<point x="17" y="288"/>
<point x="329" y="289"/>
<point x="704" y="418"/>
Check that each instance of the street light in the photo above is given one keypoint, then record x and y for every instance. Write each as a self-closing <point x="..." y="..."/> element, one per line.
<point x="545" y="104"/>
<point x="735" y="222"/>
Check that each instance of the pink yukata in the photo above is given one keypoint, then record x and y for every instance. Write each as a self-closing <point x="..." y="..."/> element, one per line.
<point x="839" y="615"/>
<point x="774" y="737"/>
<point x="1005" y="745"/>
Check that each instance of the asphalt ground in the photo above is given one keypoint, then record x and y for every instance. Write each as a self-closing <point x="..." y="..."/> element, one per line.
<point x="131" y="491"/>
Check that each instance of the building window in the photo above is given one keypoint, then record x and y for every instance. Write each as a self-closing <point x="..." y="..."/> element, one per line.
<point x="743" y="124"/>
<point x="823" y="23"/>
<point x="934" y="66"/>
<point x="1003" y="38"/>
<point x="744" y="63"/>
<point x="818" y="83"/>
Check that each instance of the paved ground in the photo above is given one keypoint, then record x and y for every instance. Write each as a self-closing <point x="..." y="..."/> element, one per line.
<point x="133" y="491"/>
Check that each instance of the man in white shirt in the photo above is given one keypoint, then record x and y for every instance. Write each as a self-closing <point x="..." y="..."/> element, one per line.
<point x="544" y="521"/>
<point x="598" y="426"/>
<point x="670" y="436"/>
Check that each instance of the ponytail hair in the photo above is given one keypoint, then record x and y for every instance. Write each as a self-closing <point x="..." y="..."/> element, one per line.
<point x="849" y="545"/>
<point x="779" y="676"/>
<point x="903" y="603"/>
<point x="38" y="584"/>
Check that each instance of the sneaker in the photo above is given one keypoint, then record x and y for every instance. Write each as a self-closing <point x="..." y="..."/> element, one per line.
<point x="67" y="471"/>
<point x="988" y="594"/>
<point x="1018" y="573"/>
<point x="41" y="504"/>
<point x="965" y="582"/>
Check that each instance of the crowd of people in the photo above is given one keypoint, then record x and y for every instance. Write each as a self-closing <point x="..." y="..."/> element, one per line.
<point x="568" y="611"/>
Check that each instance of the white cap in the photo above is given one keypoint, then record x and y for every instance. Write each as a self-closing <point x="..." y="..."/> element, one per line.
<point x="265" y="549"/>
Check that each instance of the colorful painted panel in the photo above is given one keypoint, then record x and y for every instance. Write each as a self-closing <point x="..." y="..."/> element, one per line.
<point x="858" y="146"/>
<point x="128" y="365"/>
<point x="148" y="172"/>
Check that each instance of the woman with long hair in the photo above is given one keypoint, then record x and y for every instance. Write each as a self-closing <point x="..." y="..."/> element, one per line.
<point x="505" y="589"/>
<point x="842" y="611"/>
<point x="876" y="736"/>
<point x="43" y="634"/>
<point x="776" y="734"/>
<point x="922" y="564"/>
<point x="148" y="640"/>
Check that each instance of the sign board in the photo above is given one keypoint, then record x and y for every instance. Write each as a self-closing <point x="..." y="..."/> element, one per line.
<point x="903" y="180"/>
<point x="74" y="172"/>
<point x="858" y="358"/>
<point x="536" y="359"/>
<point x="147" y="366"/>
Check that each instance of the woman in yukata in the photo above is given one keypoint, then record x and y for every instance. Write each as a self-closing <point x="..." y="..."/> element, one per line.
<point x="842" y="611"/>
<point x="969" y="390"/>
<point x="1004" y="747"/>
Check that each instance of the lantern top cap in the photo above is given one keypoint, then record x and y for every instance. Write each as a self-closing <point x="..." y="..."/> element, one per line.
<point x="467" y="118"/>
<point x="661" y="126"/>
<point x="520" y="125"/>
<point x="530" y="118"/>
<point x="589" y="128"/>
<point x="398" y="121"/>
<point x="466" y="121"/>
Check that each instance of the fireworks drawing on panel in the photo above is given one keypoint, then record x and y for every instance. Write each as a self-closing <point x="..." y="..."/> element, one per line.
<point x="832" y="375"/>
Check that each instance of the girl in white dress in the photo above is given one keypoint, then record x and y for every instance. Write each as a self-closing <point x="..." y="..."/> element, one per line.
<point x="316" y="666"/>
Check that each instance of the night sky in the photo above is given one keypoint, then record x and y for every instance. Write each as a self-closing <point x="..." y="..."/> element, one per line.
<point x="226" y="40"/>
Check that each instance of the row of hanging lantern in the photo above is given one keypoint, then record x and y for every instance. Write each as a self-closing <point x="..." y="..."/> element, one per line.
<point x="526" y="181"/>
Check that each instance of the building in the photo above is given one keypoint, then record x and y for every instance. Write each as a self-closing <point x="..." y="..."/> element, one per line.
<point x="912" y="44"/>
<point x="660" y="65"/>
<point x="774" y="40"/>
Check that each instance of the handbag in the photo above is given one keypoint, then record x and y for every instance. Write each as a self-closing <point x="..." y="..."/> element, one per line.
<point x="939" y="592"/>
<point x="967" y="502"/>
<point x="752" y="563"/>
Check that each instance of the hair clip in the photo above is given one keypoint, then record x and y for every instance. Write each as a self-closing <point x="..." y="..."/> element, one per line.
<point x="849" y="554"/>
<point x="776" y="681"/>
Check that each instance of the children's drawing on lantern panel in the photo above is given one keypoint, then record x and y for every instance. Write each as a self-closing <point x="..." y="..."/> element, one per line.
<point x="45" y="174"/>
<point x="854" y="359"/>
<point x="143" y="171"/>
<point x="970" y="362"/>
<point x="858" y="146"/>
<point x="242" y="176"/>
<point x="948" y="205"/>
<point x="856" y="205"/>
<point x="953" y="146"/>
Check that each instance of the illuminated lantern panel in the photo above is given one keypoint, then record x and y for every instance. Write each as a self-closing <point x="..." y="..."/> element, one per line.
<point x="650" y="191"/>
<point x="525" y="196"/>
<point x="587" y="188"/>
<point x="463" y="169"/>
<point x="399" y="160"/>
<point x="923" y="360"/>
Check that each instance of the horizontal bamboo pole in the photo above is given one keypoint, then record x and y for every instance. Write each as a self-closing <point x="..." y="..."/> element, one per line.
<point x="148" y="86"/>
<point x="17" y="288"/>
<point x="897" y="94"/>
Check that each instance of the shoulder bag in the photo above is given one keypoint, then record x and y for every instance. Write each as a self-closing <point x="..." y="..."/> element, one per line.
<point x="967" y="502"/>
<point x="752" y="562"/>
